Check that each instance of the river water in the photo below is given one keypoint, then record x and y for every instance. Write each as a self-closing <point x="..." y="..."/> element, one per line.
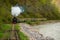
<point x="51" y="30"/>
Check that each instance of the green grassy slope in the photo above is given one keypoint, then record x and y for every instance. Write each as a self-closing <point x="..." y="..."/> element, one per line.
<point x="4" y="31"/>
<point x="34" y="9"/>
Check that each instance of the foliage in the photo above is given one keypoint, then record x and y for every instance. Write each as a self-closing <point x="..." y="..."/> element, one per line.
<point x="33" y="9"/>
<point x="3" y="29"/>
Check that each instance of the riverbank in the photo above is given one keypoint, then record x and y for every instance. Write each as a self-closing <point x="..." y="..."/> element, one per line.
<point x="43" y="22"/>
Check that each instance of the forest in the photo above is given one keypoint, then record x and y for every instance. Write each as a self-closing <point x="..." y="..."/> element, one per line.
<point x="33" y="9"/>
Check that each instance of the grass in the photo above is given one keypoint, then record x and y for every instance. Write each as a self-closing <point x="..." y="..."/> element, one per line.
<point x="22" y="36"/>
<point x="5" y="27"/>
<point x="35" y="22"/>
<point x="1" y="34"/>
<point x="17" y="27"/>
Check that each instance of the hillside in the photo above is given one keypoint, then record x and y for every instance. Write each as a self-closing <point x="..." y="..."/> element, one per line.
<point x="33" y="9"/>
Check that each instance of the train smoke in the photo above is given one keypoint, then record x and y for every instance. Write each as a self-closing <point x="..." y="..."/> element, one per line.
<point x="16" y="10"/>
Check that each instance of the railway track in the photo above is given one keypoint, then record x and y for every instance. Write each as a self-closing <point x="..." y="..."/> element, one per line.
<point x="14" y="35"/>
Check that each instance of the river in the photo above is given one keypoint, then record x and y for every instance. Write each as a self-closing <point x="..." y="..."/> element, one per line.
<point x="50" y="29"/>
